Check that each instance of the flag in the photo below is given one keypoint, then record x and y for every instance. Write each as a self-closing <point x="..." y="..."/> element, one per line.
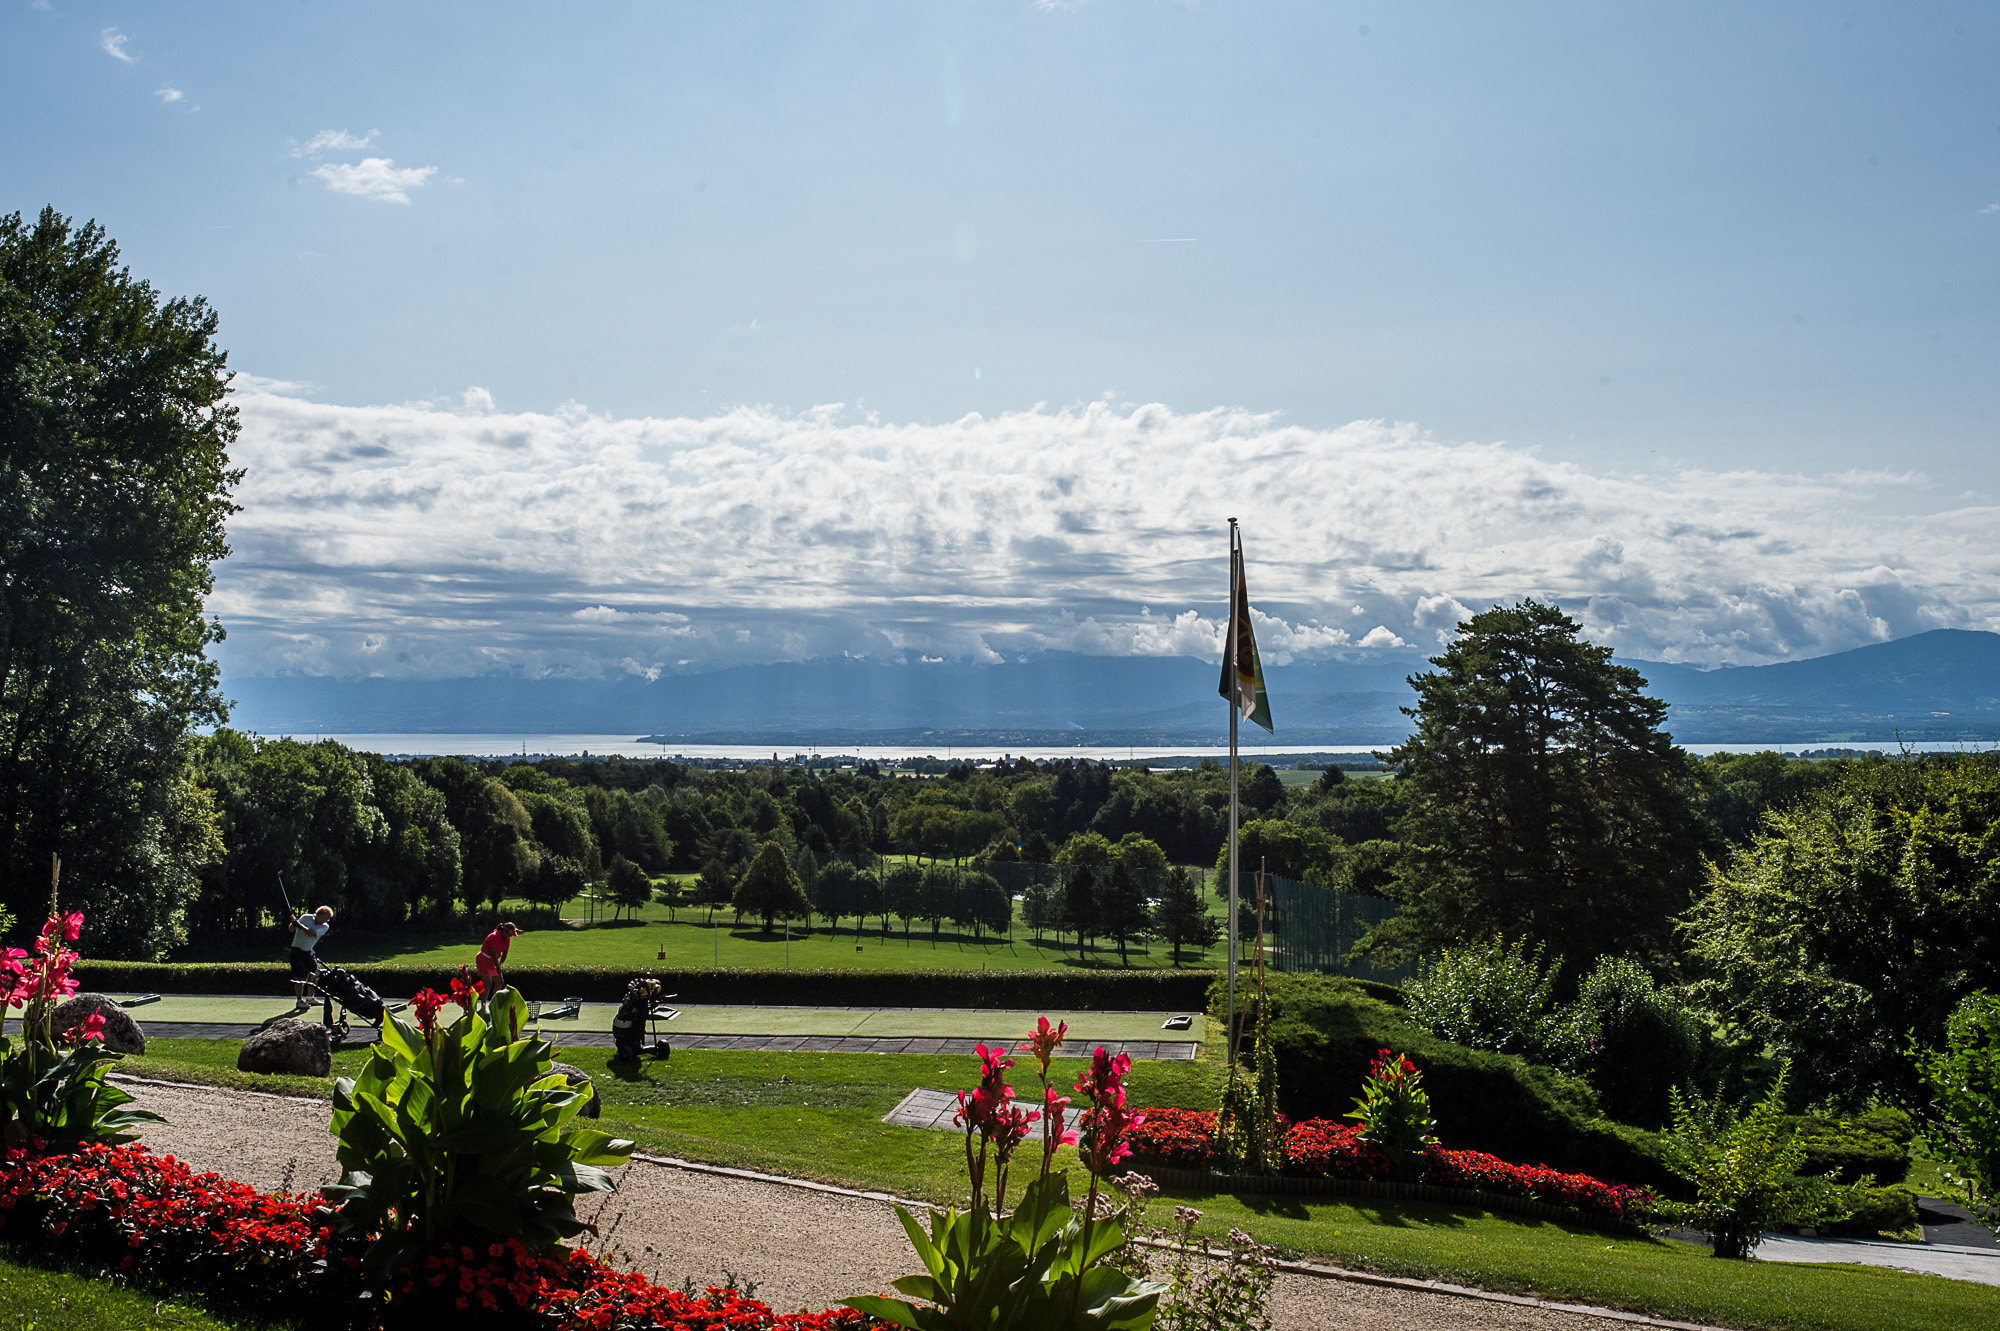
<point x="1242" y="672"/>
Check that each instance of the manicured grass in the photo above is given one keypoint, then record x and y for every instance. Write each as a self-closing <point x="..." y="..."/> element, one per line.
<point x="687" y="940"/>
<point x="43" y="1298"/>
<point x="818" y="1116"/>
<point x="981" y="1024"/>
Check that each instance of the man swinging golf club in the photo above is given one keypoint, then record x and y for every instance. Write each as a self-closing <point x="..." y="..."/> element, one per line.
<point x="307" y="930"/>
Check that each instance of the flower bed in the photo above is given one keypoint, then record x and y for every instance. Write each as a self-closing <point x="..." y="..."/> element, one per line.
<point x="1324" y="1148"/>
<point x="276" y="1255"/>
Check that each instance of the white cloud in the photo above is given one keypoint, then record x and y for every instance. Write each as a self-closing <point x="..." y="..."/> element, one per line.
<point x="477" y="400"/>
<point x="169" y="95"/>
<point x="113" y="43"/>
<point x="377" y="178"/>
<point x="1989" y="209"/>
<point x="334" y="141"/>
<point x="476" y="536"/>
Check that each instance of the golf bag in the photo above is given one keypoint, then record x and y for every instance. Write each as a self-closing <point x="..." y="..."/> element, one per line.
<point x="339" y="986"/>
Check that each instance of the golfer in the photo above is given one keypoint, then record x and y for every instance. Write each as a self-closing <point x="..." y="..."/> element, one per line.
<point x="493" y="955"/>
<point x="307" y="930"/>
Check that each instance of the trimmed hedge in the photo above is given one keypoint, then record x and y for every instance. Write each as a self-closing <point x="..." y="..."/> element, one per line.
<point x="1327" y="1030"/>
<point x="1893" y="1209"/>
<point x="1048" y="991"/>
<point x="1877" y="1143"/>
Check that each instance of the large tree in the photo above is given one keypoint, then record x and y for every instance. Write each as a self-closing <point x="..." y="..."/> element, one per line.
<point x="770" y="888"/>
<point x="1859" y="919"/>
<point x="114" y="487"/>
<point x="1544" y="799"/>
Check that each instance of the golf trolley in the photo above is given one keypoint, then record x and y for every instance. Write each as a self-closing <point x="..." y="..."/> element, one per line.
<point x="337" y="986"/>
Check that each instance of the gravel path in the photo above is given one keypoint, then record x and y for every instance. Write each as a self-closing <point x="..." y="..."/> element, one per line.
<point x="805" y="1249"/>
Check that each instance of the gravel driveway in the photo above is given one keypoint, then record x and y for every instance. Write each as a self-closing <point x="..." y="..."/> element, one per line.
<point x="804" y="1249"/>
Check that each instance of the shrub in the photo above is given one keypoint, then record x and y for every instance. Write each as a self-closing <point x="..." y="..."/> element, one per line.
<point x="1496" y="996"/>
<point x="1042" y="1265"/>
<point x="1394" y="1114"/>
<point x="1874" y="1210"/>
<point x="1964" y="1079"/>
<point x="1744" y="1167"/>
<point x="1846" y="1151"/>
<point x="462" y="1133"/>
<point x="1327" y="1032"/>
<point x="1639" y="1042"/>
<point x="56" y="1099"/>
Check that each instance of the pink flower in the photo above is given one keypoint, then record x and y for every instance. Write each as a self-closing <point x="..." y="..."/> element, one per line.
<point x="93" y="1026"/>
<point x="1042" y="1044"/>
<point x="72" y="926"/>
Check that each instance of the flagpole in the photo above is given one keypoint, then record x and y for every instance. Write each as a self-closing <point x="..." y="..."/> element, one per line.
<point x="1235" y="712"/>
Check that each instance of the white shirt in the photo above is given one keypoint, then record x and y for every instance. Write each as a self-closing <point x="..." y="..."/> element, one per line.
<point x="308" y="933"/>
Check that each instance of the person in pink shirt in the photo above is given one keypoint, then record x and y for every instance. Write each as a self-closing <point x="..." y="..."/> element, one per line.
<point x="493" y="955"/>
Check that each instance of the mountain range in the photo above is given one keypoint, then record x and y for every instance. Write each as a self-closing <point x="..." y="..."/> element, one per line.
<point x="1938" y="686"/>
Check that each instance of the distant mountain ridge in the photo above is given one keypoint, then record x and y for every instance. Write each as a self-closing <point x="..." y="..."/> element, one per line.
<point x="1941" y="685"/>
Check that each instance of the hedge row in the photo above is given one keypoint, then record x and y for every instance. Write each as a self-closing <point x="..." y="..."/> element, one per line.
<point x="1050" y="991"/>
<point x="1327" y="1030"/>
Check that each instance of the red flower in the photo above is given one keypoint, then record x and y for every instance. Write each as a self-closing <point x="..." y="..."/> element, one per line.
<point x="93" y="1026"/>
<point x="1043" y="1043"/>
<point x="425" y="1003"/>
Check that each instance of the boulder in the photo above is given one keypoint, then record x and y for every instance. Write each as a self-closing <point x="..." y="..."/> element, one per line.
<point x="579" y="1080"/>
<point x="121" y="1034"/>
<point x="302" y="1048"/>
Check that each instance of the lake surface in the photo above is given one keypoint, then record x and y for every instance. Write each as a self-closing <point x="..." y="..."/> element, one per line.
<point x="501" y="745"/>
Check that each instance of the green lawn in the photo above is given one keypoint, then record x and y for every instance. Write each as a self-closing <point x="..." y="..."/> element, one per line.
<point x="819" y="1116"/>
<point x="688" y="941"/>
<point x="35" y="1297"/>
<point x="971" y="1024"/>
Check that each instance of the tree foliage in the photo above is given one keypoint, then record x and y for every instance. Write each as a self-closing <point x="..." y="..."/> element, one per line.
<point x="1963" y="1078"/>
<point x="114" y="488"/>
<point x="1863" y="915"/>
<point x="770" y="888"/>
<point x="1544" y="799"/>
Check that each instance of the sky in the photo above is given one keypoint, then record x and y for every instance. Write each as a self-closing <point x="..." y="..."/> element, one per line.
<point x="640" y="337"/>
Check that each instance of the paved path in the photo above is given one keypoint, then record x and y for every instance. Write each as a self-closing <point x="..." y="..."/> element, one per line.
<point x="805" y="1247"/>
<point x="1937" y="1259"/>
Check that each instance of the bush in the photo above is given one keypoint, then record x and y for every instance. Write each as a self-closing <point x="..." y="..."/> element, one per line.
<point x="1964" y="1079"/>
<point x="463" y="1133"/>
<point x="1642" y="1043"/>
<point x="1875" y="1210"/>
<point x="1327" y="1032"/>
<point x="1744" y="1167"/>
<point x="1067" y="990"/>
<point x="1846" y="1151"/>
<point x="1496" y="996"/>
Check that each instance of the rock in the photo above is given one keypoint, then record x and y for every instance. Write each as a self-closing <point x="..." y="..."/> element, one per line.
<point x="121" y="1034"/>
<point x="579" y="1080"/>
<point x="302" y="1048"/>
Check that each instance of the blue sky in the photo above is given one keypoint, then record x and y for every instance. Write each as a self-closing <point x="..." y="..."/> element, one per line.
<point x="1630" y="250"/>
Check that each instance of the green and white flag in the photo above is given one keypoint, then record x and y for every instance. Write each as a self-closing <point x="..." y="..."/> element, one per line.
<point x="1242" y="672"/>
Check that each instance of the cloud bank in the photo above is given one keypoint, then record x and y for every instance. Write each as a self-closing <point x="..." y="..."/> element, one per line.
<point x="429" y="540"/>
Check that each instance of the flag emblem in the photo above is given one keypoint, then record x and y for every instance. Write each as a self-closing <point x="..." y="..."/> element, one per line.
<point x="1242" y="671"/>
